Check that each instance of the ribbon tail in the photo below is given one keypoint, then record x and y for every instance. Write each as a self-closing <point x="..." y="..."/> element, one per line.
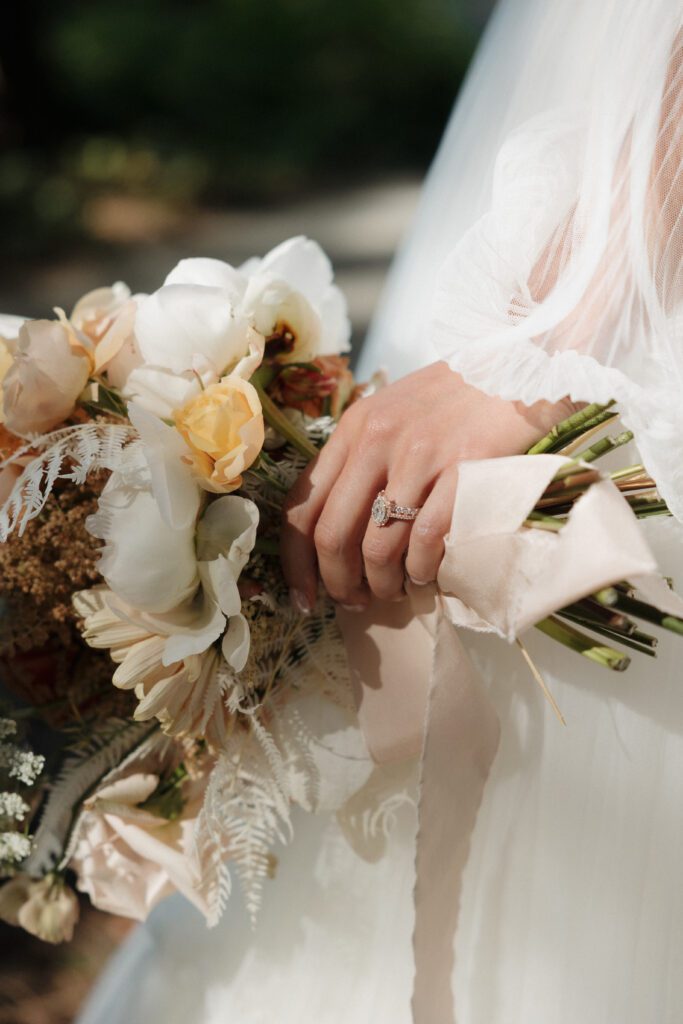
<point x="461" y="740"/>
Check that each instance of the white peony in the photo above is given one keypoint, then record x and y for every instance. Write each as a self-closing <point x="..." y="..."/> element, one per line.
<point x="181" y="582"/>
<point x="209" y="319"/>
<point x="291" y="290"/>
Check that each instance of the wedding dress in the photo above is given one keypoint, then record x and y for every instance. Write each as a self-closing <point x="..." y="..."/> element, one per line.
<point x="548" y="249"/>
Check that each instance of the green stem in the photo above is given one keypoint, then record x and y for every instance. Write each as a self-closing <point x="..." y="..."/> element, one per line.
<point x="566" y="430"/>
<point x="278" y="421"/>
<point x="583" y="644"/>
<point x="639" y="609"/>
<point x="611" y="634"/>
<point x="604" y="446"/>
<point x="628" y="471"/>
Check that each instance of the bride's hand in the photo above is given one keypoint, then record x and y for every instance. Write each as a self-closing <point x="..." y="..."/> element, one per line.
<point x="408" y="438"/>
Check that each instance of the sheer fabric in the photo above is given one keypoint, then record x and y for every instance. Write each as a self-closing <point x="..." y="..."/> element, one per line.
<point x="560" y="181"/>
<point x="556" y="194"/>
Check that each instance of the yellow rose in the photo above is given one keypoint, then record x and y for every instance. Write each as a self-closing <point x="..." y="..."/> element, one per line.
<point x="223" y="427"/>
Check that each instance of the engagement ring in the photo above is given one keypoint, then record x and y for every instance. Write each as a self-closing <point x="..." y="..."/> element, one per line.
<point x="384" y="509"/>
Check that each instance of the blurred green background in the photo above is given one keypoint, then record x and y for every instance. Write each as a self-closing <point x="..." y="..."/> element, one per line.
<point x="214" y="101"/>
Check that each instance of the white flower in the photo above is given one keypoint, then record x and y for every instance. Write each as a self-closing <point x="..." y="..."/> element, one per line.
<point x="183" y="581"/>
<point x="22" y="765"/>
<point x="172" y="594"/>
<point x="13" y="807"/>
<point x="150" y="565"/>
<point x="126" y="858"/>
<point x="209" y="319"/>
<point x="46" y="908"/>
<point x="291" y="292"/>
<point x="14" y="847"/>
<point x="192" y="318"/>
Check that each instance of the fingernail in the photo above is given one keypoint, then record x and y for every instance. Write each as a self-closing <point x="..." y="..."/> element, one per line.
<point x="418" y="583"/>
<point x="300" y="602"/>
<point x="353" y="607"/>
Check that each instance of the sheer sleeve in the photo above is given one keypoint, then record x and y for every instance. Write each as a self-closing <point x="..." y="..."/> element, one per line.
<point x="571" y="281"/>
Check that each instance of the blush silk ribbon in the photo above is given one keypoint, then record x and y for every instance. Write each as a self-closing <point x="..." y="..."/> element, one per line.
<point x="417" y="690"/>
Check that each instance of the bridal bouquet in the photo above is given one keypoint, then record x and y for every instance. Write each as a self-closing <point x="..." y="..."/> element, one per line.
<point x="165" y="707"/>
<point x="147" y="443"/>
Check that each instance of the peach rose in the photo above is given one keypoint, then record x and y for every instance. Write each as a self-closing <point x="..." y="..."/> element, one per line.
<point x="46" y="377"/>
<point x="127" y="859"/>
<point x="106" y="318"/>
<point x="223" y="427"/>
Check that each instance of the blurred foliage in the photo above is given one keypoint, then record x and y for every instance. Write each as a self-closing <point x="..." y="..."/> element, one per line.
<point x="218" y="100"/>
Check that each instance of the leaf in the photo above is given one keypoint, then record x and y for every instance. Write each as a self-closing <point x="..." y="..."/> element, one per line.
<point x="79" y="775"/>
<point x="245" y="813"/>
<point x="67" y="454"/>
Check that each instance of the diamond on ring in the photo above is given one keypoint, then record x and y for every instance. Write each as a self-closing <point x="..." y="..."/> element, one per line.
<point x="384" y="509"/>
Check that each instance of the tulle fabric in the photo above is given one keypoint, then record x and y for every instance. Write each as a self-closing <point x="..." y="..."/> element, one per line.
<point x="552" y="220"/>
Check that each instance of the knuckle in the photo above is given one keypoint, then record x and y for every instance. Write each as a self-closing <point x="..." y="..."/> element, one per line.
<point x="377" y="553"/>
<point x="418" y="449"/>
<point x="328" y="539"/>
<point x="429" y="531"/>
<point x="378" y="428"/>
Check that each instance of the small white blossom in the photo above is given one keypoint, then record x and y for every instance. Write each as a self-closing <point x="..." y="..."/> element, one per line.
<point x="26" y="766"/>
<point x="14" y="847"/>
<point x="12" y="807"/>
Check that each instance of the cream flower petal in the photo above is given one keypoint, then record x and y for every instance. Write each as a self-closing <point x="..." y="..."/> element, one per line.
<point x="210" y="273"/>
<point x="302" y="263"/>
<point x="228" y="527"/>
<point x="205" y="628"/>
<point x="173" y="483"/>
<point x="43" y="384"/>
<point x="180" y="320"/>
<point x="141" y="663"/>
<point x="160" y="391"/>
<point x="10" y="326"/>
<point x="147" y="563"/>
<point x="99" y="304"/>
<point x="236" y="643"/>
<point x="131" y="790"/>
<point x="336" y="326"/>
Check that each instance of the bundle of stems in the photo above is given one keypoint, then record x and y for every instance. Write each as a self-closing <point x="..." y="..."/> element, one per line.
<point x="591" y="626"/>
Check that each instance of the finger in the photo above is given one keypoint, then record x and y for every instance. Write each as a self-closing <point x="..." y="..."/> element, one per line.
<point x="426" y="547"/>
<point x="341" y="526"/>
<point x="384" y="546"/>
<point x="303" y="506"/>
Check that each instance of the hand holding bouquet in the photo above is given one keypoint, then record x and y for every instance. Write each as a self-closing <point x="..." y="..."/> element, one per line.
<point x="169" y="428"/>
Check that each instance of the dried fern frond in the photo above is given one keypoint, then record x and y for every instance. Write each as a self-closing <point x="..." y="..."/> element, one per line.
<point x="245" y="813"/>
<point x="80" y="774"/>
<point x="70" y="453"/>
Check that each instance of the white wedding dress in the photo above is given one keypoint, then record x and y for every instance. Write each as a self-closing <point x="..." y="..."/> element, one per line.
<point x="557" y="195"/>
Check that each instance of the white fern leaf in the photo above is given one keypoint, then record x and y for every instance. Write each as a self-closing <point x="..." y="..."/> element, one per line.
<point x="67" y="454"/>
<point x="245" y="814"/>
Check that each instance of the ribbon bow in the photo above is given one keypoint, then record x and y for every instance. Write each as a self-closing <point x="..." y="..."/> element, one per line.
<point x="418" y="690"/>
